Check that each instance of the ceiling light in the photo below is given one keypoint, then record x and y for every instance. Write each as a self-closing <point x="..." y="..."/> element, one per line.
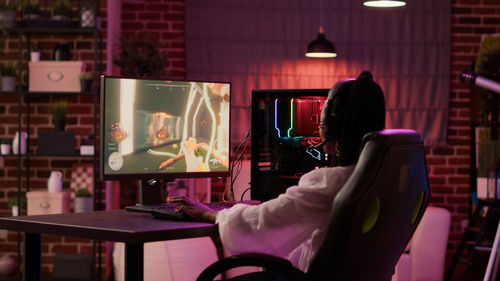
<point x="384" y="3"/>
<point x="321" y="47"/>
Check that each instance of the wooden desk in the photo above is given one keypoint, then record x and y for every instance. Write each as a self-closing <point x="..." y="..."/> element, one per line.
<point x="134" y="229"/>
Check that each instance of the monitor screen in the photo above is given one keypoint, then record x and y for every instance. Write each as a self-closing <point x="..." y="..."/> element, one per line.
<point x="163" y="129"/>
<point x="285" y="128"/>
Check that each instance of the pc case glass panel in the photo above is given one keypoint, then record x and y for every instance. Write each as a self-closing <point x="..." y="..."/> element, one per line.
<point x="285" y="127"/>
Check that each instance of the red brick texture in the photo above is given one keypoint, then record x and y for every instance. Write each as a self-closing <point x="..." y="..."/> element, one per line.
<point x="449" y="165"/>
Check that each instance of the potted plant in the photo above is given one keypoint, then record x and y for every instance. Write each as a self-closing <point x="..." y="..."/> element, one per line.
<point x="58" y="111"/>
<point x="86" y="80"/>
<point x="9" y="70"/>
<point x="61" y="10"/>
<point x="8" y="14"/>
<point x="141" y="57"/>
<point x="84" y="202"/>
<point x="13" y="204"/>
<point x="31" y="9"/>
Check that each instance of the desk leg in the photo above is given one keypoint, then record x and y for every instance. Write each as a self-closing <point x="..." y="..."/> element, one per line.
<point x="218" y="245"/>
<point x="32" y="257"/>
<point x="134" y="262"/>
<point x="220" y="250"/>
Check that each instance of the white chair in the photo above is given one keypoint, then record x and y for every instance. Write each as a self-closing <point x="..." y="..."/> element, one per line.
<point x="427" y="248"/>
<point x="173" y="260"/>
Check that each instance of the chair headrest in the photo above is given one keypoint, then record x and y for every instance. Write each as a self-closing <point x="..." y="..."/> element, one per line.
<point x="393" y="136"/>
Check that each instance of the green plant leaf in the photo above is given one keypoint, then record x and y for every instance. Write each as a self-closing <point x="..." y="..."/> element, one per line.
<point x="83" y="192"/>
<point x="59" y="109"/>
<point x="9" y="68"/>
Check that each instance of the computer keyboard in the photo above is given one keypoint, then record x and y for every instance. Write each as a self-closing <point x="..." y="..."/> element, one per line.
<point x="169" y="211"/>
<point x="170" y="214"/>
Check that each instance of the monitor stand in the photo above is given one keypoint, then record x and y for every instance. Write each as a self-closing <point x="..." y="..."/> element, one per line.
<point x="150" y="192"/>
<point x="149" y="196"/>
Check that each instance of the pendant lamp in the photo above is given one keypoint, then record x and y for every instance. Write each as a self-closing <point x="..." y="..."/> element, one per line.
<point x="321" y="47"/>
<point x="384" y="3"/>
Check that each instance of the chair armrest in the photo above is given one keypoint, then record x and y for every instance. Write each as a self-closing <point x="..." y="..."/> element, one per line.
<point x="268" y="262"/>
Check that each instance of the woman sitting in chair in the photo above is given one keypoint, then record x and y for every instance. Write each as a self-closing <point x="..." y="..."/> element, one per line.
<point x="294" y="225"/>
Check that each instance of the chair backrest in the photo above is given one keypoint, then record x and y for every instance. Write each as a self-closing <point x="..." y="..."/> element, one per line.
<point x="377" y="210"/>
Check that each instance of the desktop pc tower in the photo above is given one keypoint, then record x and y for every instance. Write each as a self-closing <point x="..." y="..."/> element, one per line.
<point x="285" y="128"/>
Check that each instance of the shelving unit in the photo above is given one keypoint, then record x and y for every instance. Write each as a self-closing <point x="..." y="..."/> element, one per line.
<point x="477" y="239"/>
<point x="24" y="95"/>
<point x="24" y="98"/>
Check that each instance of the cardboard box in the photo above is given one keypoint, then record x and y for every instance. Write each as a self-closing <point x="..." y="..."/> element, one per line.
<point x="45" y="203"/>
<point x="55" y="76"/>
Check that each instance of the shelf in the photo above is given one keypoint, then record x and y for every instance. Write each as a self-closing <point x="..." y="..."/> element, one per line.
<point x="53" y="30"/>
<point x="48" y="155"/>
<point x="34" y="93"/>
<point x="8" y="93"/>
<point x="59" y="155"/>
<point x="27" y="31"/>
<point x="28" y="93"/>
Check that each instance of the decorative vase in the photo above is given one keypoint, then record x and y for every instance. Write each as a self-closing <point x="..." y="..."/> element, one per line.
<point x="61" y="52"/>
<point x="8" y="83"/>
<point x="19" y="142"/>
<point x="15" y="210"/>
<point x="7" y="265"/>
<point x="86" y="85"/>
<point x="84" y="204"/>
<point x="54" y="184"/>
<point x="35" y="56"/>
<point x="87" y="15"/>
<point x="59" y="124"/>
<point x="5" y="149"/>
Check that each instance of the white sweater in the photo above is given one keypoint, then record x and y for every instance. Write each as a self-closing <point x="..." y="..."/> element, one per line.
<point x="292" y="226"/>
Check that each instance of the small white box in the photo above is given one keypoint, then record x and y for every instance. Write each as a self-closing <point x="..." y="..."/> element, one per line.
<point x="87" y="150"/>
<point x="55" y="76"/>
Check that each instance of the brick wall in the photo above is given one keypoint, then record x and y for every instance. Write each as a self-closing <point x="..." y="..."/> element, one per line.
<point x="449" y="165"/>
<point x="164" y="20"/>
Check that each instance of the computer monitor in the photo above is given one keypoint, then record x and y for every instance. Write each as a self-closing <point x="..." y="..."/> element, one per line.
<point x="285" y="127"/>
<point x="154" y="130"/>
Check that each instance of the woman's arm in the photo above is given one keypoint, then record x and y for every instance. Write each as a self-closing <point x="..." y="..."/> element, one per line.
<point x="280" y="225"/>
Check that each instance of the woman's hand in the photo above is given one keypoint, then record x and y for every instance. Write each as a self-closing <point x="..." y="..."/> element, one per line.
<point x="195" y="210"/>
<point x="199" y="212"/>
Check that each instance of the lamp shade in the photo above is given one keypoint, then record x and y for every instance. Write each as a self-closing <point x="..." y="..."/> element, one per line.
<point x="384" y="3"/>
<point x="321" y="48"/>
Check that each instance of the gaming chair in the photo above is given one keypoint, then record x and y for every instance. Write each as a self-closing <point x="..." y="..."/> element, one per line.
<point x="373" y="216"/>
